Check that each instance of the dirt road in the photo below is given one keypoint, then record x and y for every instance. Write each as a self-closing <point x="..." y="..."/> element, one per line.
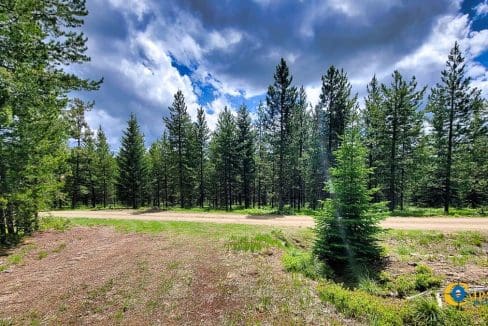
<point x="446" y="224"/>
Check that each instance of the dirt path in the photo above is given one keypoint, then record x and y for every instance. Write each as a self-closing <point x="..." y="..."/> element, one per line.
<point x="446" y="224"/>
<point x="98" y="276"/>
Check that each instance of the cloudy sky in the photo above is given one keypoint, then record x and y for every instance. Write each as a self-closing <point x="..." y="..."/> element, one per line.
<point x="224" y="52"/>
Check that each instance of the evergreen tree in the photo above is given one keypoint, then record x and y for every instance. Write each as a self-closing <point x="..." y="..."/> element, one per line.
<point x="225" y="156"/>
<point x="37" y="40"/>
<point x="263" y="165"/>
<point x="281" y="99"/>
<point x="336" y="105"/>
<point x="347" y="233"/>
<point x="473" y="156"/>
<point x="105" y="170"/>
<point x="181" y="137"/>
<point x="373" y="134"/>
<point x="156" y="172"/>
<point x="316" y="172"/>
<point x="245" y="153"/>
<point x="202" y="136"/>
<point x="403" y="122"/>
<point x="451" y="105"/>
<point x="132" y="165"/>
<point x="80" y="133"/>
<point x="300" y="129"/>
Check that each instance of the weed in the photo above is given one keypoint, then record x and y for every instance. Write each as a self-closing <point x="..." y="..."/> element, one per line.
<point x="303" y="262"/>
<point x="424" y="311"/>
<point x="42" y="254"/>
<point x="59" y="248"/>
<point x="54" y="223"/>
<point x="254" y="243"/>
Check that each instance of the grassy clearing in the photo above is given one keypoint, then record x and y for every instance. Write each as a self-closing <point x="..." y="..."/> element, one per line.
<point x="419" y="258"/>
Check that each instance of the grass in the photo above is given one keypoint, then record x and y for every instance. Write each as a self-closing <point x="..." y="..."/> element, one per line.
<point x="429" y="212"/>
<point x="461" y="248"/>
<point x="377" y="300"/>
<point x="17" y="258"/>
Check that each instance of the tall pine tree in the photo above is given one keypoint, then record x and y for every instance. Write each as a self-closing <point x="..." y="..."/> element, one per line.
<point x="281" y="100"/>
<point x="132" y="165"/>
<point x="181" y="137"/>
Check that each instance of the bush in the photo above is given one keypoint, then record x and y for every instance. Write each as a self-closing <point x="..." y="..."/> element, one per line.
<point x="304" y="263"/>
<point x="54" y="223"/>
<point x="359" y="304"/>
<point x="424" y="311"/>
<point x="425" y="278"/>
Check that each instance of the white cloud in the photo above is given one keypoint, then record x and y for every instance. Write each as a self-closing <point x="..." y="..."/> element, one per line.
<point x="112" y="126"/>
<point x="482" y="8"/>
<point x="217" y="106"/>
<point x="313" y="94"/>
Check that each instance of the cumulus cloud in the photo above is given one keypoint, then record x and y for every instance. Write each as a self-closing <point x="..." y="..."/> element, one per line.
<point x="225" y="53"/>
<point x="482" y="8"/>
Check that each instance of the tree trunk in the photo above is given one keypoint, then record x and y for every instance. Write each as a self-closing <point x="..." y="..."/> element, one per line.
<point x="3" y="231"/>
<point x="447" y="194"/>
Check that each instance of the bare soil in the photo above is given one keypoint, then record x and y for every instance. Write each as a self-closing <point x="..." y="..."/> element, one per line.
<point x="445" y="224"/>
<point x="99" y="276"/>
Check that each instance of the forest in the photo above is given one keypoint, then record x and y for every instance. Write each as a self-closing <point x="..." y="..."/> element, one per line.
<point x="424" y="147"/>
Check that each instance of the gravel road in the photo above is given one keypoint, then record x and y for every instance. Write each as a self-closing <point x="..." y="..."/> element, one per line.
<point x="446" y="224"/>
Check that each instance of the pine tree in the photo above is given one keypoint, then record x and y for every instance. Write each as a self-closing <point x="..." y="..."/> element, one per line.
<point x="156" y="172"/>
<point x="403" y="122"/>
<point x="225" y="156"/>
<point x="472" y="163"/>
<point x="263" y="165"/>
<point x="245" y="154"/>
<point x="37" y="42"/>
<point x="300" y="128"/>
<point x="316" y="172"/>
<point x="105" y="169"/>
<point x="132" y="165"/>
<point x="80" y="133"/>
<point x="451" y="108"/>
<point x="181" y="137"/>
<point x="347" y="233"/>
<point x="373" y="131"/>
<point x="202" y="136"/>
<point x="281" y="99"/>
<point x="336" y="105"/>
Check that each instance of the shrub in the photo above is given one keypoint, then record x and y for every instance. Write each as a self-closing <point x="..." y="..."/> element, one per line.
<point x="359" y="304"/>
<point x="54" y="223"/>
<point x="425" y="278"/>
<point x="304" y="263"/>
<point x="424" y="311"/>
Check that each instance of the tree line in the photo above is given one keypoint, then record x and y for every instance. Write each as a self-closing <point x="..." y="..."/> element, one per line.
<point x="424" y="149"/>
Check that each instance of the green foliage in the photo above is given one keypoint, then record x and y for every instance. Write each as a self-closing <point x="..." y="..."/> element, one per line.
<point x="181" y="137"/>
<point x="36" y="46"/>
<point x="280" y="99"/>
<point x="425" y="311"/>
<point x="54" y="223"/>
<point x="361" y="305"/>
<point x="258" y="242"/>
<point x="303" y="262"/>
<point x="132" y="166"/>
<point x="347" y="234"/>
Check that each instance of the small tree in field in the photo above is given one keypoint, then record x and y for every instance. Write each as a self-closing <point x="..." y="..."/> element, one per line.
<point x="346" y="234"/>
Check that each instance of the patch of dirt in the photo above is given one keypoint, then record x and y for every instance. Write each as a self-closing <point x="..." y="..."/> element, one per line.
<point x="98" y="276"/>
<point x="445" y="224"/>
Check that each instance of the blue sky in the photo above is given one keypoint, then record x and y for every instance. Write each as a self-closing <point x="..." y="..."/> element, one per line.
<point x="223" y="52"/>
